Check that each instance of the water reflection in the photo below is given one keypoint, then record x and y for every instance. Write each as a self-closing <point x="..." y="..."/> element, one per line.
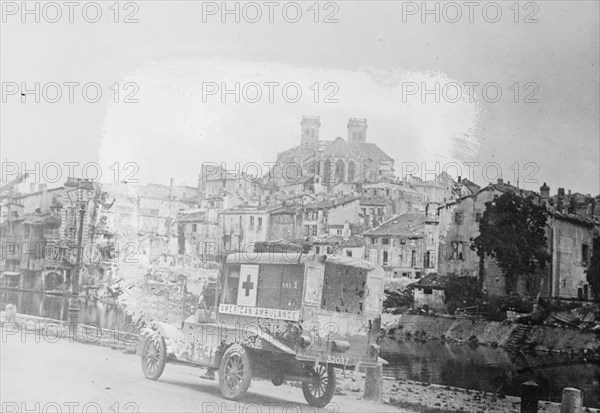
<point x="491" y="369"/>
<point x="96" y="313"/>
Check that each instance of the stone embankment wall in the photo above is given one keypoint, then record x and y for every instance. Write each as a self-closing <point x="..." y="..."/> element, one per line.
<point x="29" y="327"/>
<point x="492" y="333"/>
<point x="545" y="338"/>
<point x="451" y="329"/>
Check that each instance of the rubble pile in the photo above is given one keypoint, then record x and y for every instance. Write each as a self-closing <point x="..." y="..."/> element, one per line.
<point x="397" y="301"/>
<point x="585" y="318"/>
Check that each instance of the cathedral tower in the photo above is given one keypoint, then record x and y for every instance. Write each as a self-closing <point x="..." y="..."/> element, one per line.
<point x="310" y="130"/>
<point x="357" y="130"/>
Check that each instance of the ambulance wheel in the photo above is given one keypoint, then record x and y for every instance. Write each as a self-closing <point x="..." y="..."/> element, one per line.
<point x="319" y="390"/>
<point x="235" y="372"/>
<point x="154" y="356"/>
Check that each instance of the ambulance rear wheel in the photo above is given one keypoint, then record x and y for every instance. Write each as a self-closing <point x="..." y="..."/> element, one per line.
<point x="319" y="390"/>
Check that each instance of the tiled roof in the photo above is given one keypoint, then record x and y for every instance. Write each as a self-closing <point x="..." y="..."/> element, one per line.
<point x="331" y="203"/>
<point x="473" y="187"/>
<point x="503" y="187"/>
<point x="195" y="215"/>
<point x="352" y="241"/>
<point x="375" y="200"/>
<point x="370" y="151"/>
<point x="340" y="148"/>
<point x="442" y="282"/>
<point x="575" y="218"/>
<point x="410" y="225"/>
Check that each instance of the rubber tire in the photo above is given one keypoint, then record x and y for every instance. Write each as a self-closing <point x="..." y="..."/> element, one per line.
<point x="236" y="350"/>
<point x="162" y="357"/>
<point x="329" y="390"/>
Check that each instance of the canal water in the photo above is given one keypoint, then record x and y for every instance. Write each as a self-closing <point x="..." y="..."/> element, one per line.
<point x="458" y="365"/>
<point x="490" y="369"/>
<point x="93" y="312"/>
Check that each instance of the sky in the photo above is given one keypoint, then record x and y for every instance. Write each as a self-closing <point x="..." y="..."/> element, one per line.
<point x="161" y="113"/>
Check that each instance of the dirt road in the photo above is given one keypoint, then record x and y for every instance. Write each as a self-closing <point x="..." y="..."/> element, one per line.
<point x="44" y="374"/>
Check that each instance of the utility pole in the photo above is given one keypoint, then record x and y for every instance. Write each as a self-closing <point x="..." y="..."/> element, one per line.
<point x="74" y="297"/>
<point x="79" y="198"/>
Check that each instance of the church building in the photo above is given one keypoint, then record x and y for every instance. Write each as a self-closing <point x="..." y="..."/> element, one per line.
<point x="329" y="163"/>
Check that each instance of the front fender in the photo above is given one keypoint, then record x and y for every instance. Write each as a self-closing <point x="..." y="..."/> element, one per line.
<point x="177" y="343"/>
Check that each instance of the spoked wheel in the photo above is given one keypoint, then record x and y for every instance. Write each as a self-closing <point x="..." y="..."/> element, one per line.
<point x="235" y="372"/>
<point x="154" y="356"/>
<point x="320" y="389"/>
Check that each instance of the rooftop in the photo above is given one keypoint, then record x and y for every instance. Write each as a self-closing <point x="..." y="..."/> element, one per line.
<point x="443" y="282"/>
<point x="409" y="225"/>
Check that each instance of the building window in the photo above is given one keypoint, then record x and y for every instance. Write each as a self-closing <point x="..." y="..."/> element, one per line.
<point x="307" y="231"/>
<point x="385" y="241"/>
<point x="385" y="258"/>
<point x="314" y="230"/>
<point x="348" y="253"/>
<point x="194" y="227"/>
<point x="405" y="274"/>
<point x="417" y="275"/>
<point x="338" y="232"/>
<point x="455" y="245"/>
<point x="413" y="259"/>
<point x="317" y="249"/>
<point x="431" y="237"/>
<point x="427" y="260"/>
<point x="251" y="222"/>
<point x="373" y="240"/>
<point x="458" y="218"/>
<point x="427" y="291"/>
<point x="585" y="251"/>
<point x="259" y="228"/>
<point x="373" y="255"/>
<point x="478" y="217"/>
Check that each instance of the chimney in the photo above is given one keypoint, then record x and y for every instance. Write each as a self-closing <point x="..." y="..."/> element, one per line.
<point x="560" y="200"/>
<point x="545" y="191"/>
<point x="500" y="181"/>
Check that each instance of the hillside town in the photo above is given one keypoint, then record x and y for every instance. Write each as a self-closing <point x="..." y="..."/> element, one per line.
<point x="321" y="206"/>
<point x="111" y="253"/>
<point x="344" y="198"/>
